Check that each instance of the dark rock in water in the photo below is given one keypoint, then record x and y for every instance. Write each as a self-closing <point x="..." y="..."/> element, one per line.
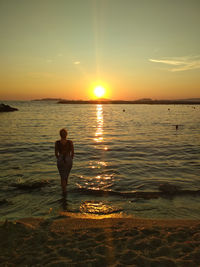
<point x="30" y="186"/>
<point x="6" y="108"/>
<point x="168" y="188"/>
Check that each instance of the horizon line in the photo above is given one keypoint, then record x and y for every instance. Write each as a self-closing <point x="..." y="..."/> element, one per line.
<point x="106" y="99"/>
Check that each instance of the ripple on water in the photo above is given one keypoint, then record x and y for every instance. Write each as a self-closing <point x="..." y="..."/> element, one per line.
<point x="98" y="207"/>
<point x="132" y="151"/>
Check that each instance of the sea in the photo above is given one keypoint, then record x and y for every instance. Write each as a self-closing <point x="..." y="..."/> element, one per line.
<point x="123" y="154"/>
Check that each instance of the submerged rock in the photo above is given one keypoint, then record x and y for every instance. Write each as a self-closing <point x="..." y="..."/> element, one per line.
<point x="6" y="108"/>
<point x="30" y="186"/>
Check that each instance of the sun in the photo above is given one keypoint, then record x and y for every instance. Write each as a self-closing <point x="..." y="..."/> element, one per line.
<point x="99" y="91"/>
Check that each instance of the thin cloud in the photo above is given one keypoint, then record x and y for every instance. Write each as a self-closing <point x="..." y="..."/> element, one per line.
<point x="180" y="63"/>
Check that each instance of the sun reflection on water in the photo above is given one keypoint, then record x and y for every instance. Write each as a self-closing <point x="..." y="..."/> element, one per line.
<point x="99" y="131"/>
<point x="98" y="181"/>
<point x="97" y="207"/>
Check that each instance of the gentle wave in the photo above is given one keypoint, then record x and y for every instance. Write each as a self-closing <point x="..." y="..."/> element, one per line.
<point x="118" y="156"/>
<point x="137" y="194"/>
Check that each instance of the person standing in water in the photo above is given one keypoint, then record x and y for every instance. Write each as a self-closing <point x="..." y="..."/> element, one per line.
<point x="64" y="152"/>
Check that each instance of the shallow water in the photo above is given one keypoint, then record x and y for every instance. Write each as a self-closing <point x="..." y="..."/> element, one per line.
<point x="115" y="151"/>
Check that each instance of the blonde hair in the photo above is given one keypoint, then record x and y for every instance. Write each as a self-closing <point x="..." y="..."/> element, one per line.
<point x="63" y="133"/>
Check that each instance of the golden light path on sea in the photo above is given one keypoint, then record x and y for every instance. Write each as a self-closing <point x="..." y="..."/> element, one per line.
<point x="99" y="130"/>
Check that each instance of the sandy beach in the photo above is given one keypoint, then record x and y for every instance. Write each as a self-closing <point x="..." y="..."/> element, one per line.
<point x="129" y="241"/>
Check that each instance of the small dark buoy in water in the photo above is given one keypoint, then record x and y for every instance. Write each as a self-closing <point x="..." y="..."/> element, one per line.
<point x="123" y="110"/>
<point x="177" y="127"/>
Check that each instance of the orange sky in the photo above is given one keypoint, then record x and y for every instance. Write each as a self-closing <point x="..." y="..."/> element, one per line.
<point x="141" y="49"/>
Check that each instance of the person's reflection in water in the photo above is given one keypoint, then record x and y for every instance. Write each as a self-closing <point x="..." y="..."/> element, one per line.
<point x="64" y="201"/>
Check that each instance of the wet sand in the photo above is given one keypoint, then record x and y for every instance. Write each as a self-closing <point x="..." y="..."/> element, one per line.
<point x="77" y="241"/>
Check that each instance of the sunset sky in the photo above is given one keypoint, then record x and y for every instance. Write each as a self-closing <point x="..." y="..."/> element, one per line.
<point x="133" y="48"/>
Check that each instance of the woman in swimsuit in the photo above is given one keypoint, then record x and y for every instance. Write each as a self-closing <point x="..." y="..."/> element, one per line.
<point x="64" y="152"/>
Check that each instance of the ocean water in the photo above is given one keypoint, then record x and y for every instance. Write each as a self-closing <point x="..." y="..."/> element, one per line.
<point x="119" y="150"/>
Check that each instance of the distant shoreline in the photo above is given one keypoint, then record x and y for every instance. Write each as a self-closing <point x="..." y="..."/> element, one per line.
<point x="113" y="102"/>
<point x="148" y="102"/>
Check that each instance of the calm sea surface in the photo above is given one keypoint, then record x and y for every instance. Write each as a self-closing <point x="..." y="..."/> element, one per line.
<point x="116" y="152"/>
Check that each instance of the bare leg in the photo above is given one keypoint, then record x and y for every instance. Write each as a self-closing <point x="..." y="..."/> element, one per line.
<point x="64" y="185"/>
<point x="64" y="168"/>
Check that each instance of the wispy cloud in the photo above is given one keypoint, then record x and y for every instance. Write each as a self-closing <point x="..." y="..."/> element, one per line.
<point x="180" y="63"/>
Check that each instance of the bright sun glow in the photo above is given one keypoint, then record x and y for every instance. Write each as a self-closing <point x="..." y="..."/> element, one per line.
<point x="99" y="91"/>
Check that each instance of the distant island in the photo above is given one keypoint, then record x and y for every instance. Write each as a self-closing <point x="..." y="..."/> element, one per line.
<point x="48" y="99"/>
<point x="192" y="101"/>
<point x="149" y="101"/>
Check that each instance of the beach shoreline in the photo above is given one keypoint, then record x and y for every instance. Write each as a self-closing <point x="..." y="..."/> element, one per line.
<point x="114" y="241"/>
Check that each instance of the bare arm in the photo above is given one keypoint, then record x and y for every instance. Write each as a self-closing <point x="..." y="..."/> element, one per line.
<point x="56" y="150"/>
<point x="72" y="150"/>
